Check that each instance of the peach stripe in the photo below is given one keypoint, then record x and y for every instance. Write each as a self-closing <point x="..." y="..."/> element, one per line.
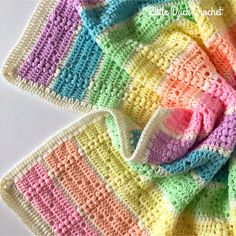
<point x="90" y="193"/>
<point x="223" y="55"/>
<point x="191" y="71"/>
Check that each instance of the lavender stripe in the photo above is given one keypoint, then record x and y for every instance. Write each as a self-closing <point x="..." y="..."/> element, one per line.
<point x="166" y="149"/>
<point x="224" y="136"/>
<point x="52" y="45"/>
<point x="87" y="2"/>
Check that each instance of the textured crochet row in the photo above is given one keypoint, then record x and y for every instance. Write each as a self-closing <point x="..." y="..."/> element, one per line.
<point x="155" y="155"/>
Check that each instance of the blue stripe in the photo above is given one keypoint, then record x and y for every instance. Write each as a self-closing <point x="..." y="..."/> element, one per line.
<point x="116" y="11"/>
<point x="207" y="171"/>
<point x="75" y="76"/>
<point x="192" y="160"/>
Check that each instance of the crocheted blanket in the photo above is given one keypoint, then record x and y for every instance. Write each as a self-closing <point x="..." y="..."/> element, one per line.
<point x="154" y="155"/>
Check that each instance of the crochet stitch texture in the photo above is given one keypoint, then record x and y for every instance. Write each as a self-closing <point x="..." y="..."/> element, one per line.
<point x="155" y="154"/>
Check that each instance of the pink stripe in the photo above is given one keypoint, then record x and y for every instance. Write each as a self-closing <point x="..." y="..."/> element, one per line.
<point x="220" y="89"/>
<point x="38" y="188"/>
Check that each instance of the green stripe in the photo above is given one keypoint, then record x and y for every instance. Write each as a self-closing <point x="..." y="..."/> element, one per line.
<point x="109" y="85"/>
<point x="179" y="189"/>
<point x="212" y="201"/>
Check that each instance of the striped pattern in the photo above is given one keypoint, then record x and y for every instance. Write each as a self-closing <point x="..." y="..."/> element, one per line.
<point x="155" y="155"/>
<point x="37" y="187"/>
<point x="90" y="193"/>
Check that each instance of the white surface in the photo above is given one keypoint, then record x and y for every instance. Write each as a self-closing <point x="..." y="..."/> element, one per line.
<point x="25" y="121"/>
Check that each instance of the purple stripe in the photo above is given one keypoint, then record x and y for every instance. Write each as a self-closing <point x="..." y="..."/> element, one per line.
<point x="166" y="149"/>
<point x="224" y="135"/>
<point x="87" y="2"/>
<point x="52" y="45"/>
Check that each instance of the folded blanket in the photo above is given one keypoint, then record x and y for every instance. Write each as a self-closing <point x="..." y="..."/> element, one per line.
<point x="155" y="153"/>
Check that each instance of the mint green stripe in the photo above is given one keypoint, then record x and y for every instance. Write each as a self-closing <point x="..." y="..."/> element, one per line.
<point x="178" y="189"/>
<point x="109" y="85"/>
<point x="211" y="202"/>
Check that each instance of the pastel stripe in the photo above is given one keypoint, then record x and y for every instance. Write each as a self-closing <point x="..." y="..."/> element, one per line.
<point x="52" y="45"/>
<point x="224" y="135"/>
<point x="146" y="102"/>
<point x="145" y="200"/>
<point x="207" y="24"/>
<point x="192" y="225"/>
<point x="216" y="197"/>
<point x="220" y="49"/>
<point x="109" y="86"/>
<point x="166" y="149"/>
<point x="145" y="64"/>
<point x="38" y="188"/>
<point x="207" y="171"/>
<point x="75" y="76"/>
<point x="90" y="193"/>
<point x="186" y="78"/>
<point x="177" y="189"/>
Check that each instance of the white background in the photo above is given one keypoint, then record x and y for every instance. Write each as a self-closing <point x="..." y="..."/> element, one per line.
<point x="25" y="121"/>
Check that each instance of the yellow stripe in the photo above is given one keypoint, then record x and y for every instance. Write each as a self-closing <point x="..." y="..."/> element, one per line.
<point x="233" y="216"/>
<point x="208" y="25"/>
<point x="191" y="225"/>
<point x="143" y="198"/>
<point x="150" y="62"/>
<point x="139" y="103"/>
